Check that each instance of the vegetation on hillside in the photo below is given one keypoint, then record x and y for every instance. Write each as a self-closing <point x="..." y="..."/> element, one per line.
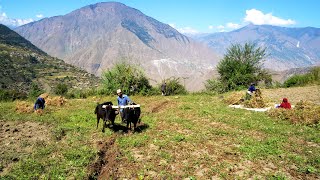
<point x="22" y="65"/>
<point x="312" y="77"/>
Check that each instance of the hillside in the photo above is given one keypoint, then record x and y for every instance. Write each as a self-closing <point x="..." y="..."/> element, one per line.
<point x="287" y="48"/>
<point x="178" y="139"/>
<point x="98" y="36"/>
<point x="23" y="63"/>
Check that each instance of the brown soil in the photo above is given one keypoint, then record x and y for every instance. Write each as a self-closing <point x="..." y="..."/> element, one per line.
<point x="17" y="139"/>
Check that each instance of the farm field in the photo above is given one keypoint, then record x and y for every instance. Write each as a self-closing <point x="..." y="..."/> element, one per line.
<point x="195" y="136"/>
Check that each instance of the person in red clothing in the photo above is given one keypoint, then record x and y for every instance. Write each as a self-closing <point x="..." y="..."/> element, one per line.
<point x="285" y="104"/>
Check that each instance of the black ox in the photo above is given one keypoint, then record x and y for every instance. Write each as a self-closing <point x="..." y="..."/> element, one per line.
<point x="132" y="115"/>
<point x="105" y="114"/>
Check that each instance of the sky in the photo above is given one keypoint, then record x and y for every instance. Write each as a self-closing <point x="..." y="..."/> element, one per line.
<point x="187" y="16"/>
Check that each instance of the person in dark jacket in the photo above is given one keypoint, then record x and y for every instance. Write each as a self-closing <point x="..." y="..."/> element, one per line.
<point x="39" y="104"/>
<point x="164" y="88"/>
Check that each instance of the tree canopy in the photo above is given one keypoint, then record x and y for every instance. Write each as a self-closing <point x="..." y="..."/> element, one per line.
<point x="241" y="65"/>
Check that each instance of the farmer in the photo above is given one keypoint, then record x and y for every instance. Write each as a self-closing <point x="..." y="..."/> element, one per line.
<point x="123" y="100"/>
<point x="163" y="88"/>
<point x="250" y="91"/>
<point x="40" y="102"/>
<point x="285" y="104"/>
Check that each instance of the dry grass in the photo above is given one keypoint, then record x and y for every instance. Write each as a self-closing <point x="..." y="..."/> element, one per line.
<point x="235" y="98"/>
<point x="56" y="101"/>
<point x="305" y="112"/>
<point x="294" y="94"/>
<point x="24" y="107"/>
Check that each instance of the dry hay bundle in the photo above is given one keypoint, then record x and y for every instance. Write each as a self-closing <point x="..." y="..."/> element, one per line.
<point x="24" y="107"/>
<point x="256" y="101"/>
<point x="56" y="101"/>
<point x="305" y="112"/>
<point x="235" y="98"/>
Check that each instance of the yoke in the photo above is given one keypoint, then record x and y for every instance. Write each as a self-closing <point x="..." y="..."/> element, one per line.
<point x="122" y="107"/>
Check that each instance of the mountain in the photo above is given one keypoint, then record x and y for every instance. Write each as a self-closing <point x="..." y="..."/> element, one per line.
<point x="286" y="47"/>
<point x="98" y="36"/>
<point x="22" y="63"/>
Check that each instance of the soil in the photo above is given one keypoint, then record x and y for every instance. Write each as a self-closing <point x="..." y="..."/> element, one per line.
<point x="17" y="139"/>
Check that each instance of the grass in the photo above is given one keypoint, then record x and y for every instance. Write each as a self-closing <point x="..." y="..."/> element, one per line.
<point x="189" y="136"/>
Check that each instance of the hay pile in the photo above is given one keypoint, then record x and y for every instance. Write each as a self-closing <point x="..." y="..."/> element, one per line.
<point x="305" y="112"/>
<point x="24" y="107"/>
<point x="235" y="98"/>
<point x="242" y="98"/>
<point x="256" y="101"/>
<point x="56" y="101"/>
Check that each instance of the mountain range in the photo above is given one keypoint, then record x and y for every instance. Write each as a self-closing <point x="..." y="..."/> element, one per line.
<point x="98" y="36"/>
<point x="286" y="47"/>
<point x="22" y="63"/>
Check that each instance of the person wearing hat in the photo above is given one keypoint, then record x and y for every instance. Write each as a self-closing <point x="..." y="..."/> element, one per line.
<point x="123" y="100"/>
<point x="40" y="102"/>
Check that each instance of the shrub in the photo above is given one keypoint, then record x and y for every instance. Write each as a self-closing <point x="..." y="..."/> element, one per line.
<point x="11" y="95"/>
<point x="174" y="87"/>
<point x="214" y="85"/>
<point x="61" y="89"/>
<point x="313" y="76"/>
<point x="129" y="78"/>
<point x="35" y="90"/>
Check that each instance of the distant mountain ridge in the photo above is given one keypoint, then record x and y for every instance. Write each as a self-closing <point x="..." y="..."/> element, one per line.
<point x="98" y="36"/>
<point x="22" y="63"/>
<point x="9" y="37"/>
<point x="286" y="47"/>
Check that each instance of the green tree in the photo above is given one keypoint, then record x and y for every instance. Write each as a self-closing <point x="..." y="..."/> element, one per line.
<point x="241" y="65"/>
<point x="129" y="78"/>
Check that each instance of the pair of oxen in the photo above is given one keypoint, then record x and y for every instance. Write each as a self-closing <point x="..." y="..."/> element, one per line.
<point x="106" y="112"/>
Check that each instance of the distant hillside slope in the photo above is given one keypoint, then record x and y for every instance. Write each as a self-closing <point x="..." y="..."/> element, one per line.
<point x="22" y="63"/>
<point x="97" y="36"/>
<point x="286" y="47"/>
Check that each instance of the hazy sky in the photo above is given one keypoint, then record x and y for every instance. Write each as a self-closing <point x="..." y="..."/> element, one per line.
<point x="187" y="16"/>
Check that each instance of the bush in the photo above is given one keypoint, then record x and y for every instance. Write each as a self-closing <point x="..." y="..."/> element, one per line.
<point x="304" y="79"/>
<point x="11" y="95"/>
<point x="61" y="89"/>
<point x="35" y="91"/>
<point x="215" y="86"/>
<point x="173" y="87"/>
<point x="127" y="77"/>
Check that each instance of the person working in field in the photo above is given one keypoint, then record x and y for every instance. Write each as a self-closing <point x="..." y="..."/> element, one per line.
<point x="163" y="88"/>
<point x="40" y="102"/>
<point x="252" y="89"/>
<point x="285" y="104"/>
<point x="123" y="100"/>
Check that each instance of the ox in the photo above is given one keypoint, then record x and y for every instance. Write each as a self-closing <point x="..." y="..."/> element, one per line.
<point x="105" y="114"/>
<point x="131" y="115"/>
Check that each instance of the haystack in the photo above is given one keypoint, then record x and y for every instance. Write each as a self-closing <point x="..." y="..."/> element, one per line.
<point x="24" y="107"/>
